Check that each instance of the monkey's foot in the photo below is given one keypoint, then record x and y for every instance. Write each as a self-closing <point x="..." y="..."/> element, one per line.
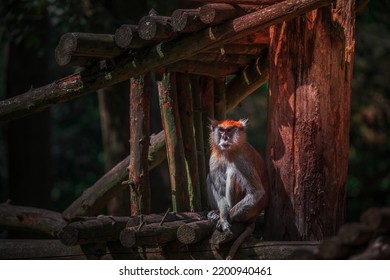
<point x="213" y="216"/>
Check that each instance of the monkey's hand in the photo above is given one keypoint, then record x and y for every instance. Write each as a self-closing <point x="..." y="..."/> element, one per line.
<point x="213" y="216"/>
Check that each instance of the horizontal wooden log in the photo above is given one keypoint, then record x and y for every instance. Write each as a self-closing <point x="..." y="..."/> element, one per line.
<point x="100" y="229"/>
<point x="54" y="249"/>
<point x="216" y="13"/>
<point x="194" y="232"/>
<point x="186" y="20"/>
<point x="377" y="219"/>
<point x="96" y="197"/>
<point x="155" y="28"/>
<point x="30" y="219"/>
<point x="219" y="69"/>
<point x="126" y="36"/>
<point x="85" y="44"/>
<point x="150" y="234"/>
<point x="167" y="217"/>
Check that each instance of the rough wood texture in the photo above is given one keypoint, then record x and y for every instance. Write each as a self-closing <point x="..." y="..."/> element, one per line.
<point x="238" y="49"/>
<point x="167" y="217"/>
<point x="96" y="197"/>
<point x="216" y="58"/>
<point x="186" y="113"/>
<point x="126" y="36"/>
<point x="30" y="219"/>
<point x="308" y="122"/>
<point x="217" y="13"/>
<point x="246" y="82"/>
<point x="194" y="232"/>
<point x="85" y="44"/>
<point x="155" y="28"/>
<point x="54" y="249"/>
<point x="100" y="229"/>
<point x="150" y="234"/>
<point x="186" y="20"/>
<point x="156" y="57"/>
<point x="174" y="142"/>
<point x="207" y="97"/>
<point x="140" y="193"/>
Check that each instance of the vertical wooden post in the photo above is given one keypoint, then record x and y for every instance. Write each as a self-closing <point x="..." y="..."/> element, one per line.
<point x="220" y="99"/>
<point x="174" y="142"/>
<point x="140" y="94"/>
<point x="186" y="112"/>
<point x="207" y="97"/>
<point x="311" y="61"/>
<point x="199" y="139"/>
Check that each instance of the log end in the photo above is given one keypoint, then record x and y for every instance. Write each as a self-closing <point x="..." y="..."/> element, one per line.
<point x="147" y="28"/>
<point x="124" y="35"/>
<point x="68" y="236"/>
<point x="127" y="238"/>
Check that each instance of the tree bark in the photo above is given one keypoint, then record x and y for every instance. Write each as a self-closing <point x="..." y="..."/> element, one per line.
<point x="174" y="142"/>
<point x="140" y="194"/>
<point x="311" y="61"/>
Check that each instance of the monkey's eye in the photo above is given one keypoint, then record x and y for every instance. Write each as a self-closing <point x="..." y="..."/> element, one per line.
<point x="229" y="129"/>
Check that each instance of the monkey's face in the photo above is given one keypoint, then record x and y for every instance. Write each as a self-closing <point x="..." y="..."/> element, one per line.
<point x="226" y="135"/>
<point x="227" y="138"/>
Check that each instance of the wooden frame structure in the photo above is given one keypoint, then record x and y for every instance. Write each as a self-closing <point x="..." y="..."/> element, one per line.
<point x="298" y="46"/>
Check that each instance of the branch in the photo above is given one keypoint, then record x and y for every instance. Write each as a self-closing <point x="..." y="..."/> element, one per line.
<point x="30" y="218"/>
<point x="96" y="197"/>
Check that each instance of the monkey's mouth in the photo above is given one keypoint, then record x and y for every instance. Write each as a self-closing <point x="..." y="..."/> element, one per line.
<point x="224" y="145"/>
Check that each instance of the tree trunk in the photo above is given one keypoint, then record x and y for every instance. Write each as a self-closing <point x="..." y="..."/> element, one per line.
<point x="311" y="61"/>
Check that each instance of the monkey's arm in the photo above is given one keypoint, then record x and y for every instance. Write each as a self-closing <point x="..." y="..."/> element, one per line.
<point x="254" y="201"/>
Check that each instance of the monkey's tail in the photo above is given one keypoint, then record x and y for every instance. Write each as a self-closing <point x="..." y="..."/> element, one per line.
<point x="237" y="243"/>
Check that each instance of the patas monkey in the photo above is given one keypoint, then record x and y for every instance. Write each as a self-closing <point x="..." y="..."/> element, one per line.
<point x="237" y="182"/>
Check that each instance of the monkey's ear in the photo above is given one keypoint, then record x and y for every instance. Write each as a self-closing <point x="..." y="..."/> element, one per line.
<point x="244" y="123"/>
<point x="213" y="124"/>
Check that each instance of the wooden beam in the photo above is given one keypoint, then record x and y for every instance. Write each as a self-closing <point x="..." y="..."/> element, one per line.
<point x="155" y="28"/>
<point x="308" y="122"/>
<point x="174" y="142"/>
<point x="163" y="54"/>
<point x="31" y="219"/>
<point x="140" y="193"/>
<point x="186" y="112"/>
<point x="85" y="44"/>
<point x="91" y="230"/>
<point x="186" y="20"/>
<point x="126" y="36"/>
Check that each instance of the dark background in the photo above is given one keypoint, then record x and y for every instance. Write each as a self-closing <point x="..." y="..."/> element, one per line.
<point x="47" y="160"/>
